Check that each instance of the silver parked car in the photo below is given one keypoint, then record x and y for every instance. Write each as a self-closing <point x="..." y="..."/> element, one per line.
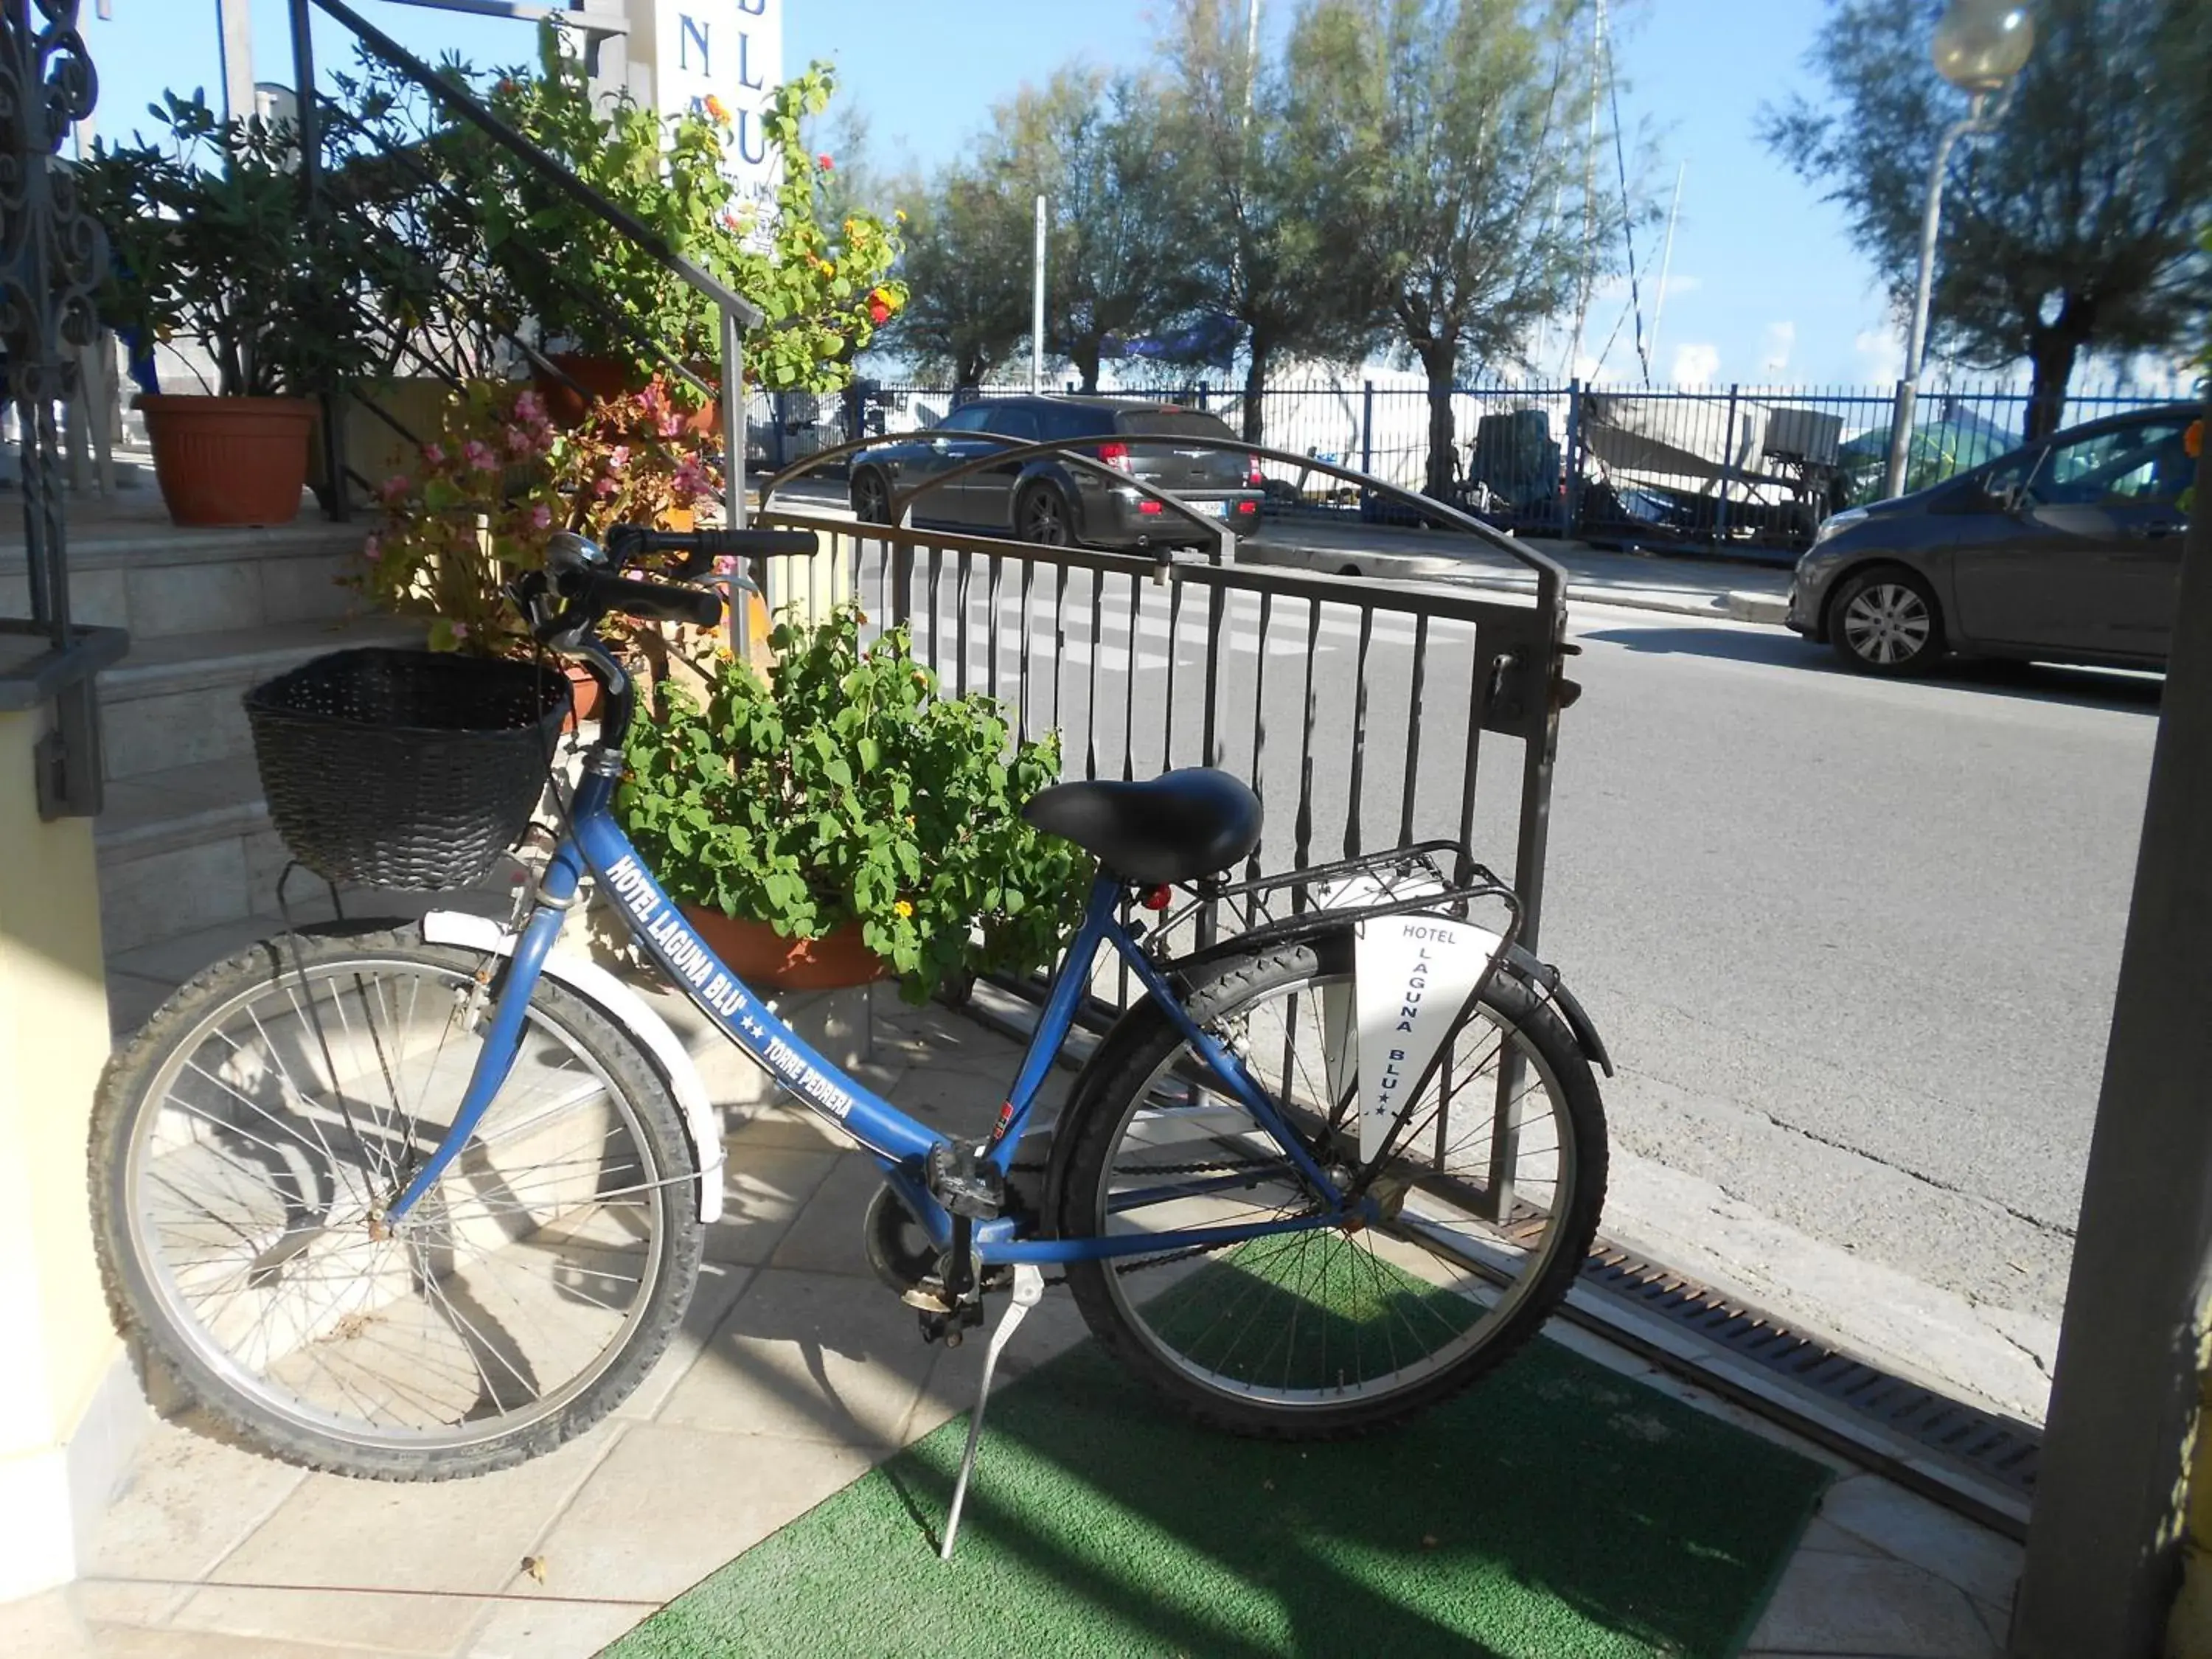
<point x="1043" y="498"/>
<point x="2066" y="549"/>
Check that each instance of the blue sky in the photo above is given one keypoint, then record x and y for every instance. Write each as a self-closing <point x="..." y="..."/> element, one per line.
<point x="1764" y="286"/>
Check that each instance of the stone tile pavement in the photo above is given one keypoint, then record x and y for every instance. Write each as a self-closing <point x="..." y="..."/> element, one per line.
<point x="794" y="1373"/>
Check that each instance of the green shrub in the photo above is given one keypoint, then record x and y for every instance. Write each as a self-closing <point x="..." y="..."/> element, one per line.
<point x="845" y="789"/>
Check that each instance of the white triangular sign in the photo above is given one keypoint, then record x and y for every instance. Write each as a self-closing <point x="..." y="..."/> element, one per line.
<point x="1411" y="977"/>
<point x="1361" y="888"/>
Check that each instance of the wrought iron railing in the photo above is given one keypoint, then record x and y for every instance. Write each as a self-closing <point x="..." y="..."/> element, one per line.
<point x="52" y="256"/>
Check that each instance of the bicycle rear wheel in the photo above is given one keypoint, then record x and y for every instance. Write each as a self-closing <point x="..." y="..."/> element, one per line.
<point x="1322" y="1332"/>
<point x="246" y="1143"/>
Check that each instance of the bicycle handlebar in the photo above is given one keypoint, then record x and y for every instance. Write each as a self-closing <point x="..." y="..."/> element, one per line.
<point x="701" y="547"/>
<point x="701" y="607"/>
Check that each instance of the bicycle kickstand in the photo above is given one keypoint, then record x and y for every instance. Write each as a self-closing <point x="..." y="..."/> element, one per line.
<point x="1029" y="1291"/>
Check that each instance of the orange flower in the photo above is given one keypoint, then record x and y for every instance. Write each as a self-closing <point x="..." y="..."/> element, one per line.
<point x="716" y="108"/>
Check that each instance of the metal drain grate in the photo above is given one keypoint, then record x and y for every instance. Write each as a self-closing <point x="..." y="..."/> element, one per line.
<point x="1987" y="1449"/>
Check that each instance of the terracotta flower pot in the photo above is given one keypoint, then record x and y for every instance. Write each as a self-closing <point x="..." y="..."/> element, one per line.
<point x="603" y="379"/>
<point x="228" y="460"/>
<point x="763" y="959"/>
<point x="583" y="694"/>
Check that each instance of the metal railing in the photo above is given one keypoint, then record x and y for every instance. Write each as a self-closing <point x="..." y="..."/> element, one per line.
<point x="335" y="141"/>
<point x="53" y="255"/>
<point x="1755" y="466"/>
<point x="1364" y="715"/>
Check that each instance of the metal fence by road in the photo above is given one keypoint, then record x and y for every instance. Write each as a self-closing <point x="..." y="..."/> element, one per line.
<point x="1752" y="465"/>
<point x="1364" y="717"/>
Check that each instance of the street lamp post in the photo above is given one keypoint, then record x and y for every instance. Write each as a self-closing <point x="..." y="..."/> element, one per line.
<point x="1980" y="46"/>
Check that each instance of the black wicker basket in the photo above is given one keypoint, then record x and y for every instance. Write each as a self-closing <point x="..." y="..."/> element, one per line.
<point x="404" y="769"/>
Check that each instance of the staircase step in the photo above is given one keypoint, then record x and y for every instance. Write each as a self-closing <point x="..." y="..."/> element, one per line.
<point x="184" y="849"/>
<point x="130" y="568"/>
<point x="175" y="701"/>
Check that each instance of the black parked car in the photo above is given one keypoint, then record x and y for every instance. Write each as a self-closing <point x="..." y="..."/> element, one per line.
<point x="2067" y="550"/>
<point x="1045" y="498"/>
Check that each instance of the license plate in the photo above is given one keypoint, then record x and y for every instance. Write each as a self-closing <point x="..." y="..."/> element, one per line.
<point x="1217" y="509"/>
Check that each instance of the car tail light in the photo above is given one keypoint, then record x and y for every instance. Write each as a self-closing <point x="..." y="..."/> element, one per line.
<point x="1247" y="507"/>
<point x="1150" y="508"/>
<point x="1115" y="456"/>
<point x="1254" y="479"/>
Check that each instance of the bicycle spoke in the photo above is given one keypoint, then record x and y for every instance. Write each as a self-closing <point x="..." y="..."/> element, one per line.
<point x="518" y="1277"/>
<point x="1327" y="1314"/>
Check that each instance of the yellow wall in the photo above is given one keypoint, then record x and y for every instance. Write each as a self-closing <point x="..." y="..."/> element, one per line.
<point x="2189" y="1627"/>
<point x="54" y="1330"/>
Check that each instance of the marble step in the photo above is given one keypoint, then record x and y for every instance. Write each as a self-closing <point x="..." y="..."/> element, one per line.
<point x="175" y="701"/>
<point x="131" y="570"/>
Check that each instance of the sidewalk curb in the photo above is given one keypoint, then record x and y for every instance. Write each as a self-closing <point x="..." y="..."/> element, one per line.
<point x="1759" y="608"/>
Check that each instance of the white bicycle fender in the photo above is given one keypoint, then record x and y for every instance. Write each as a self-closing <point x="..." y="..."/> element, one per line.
<point x="634" y="1015"/>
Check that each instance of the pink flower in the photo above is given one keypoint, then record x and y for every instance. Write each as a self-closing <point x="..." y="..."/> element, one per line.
<point x="691" y="480"/>
<point x="520" y="442"/>
<point x="372" y="549"/>
<point x="530" y="407"/>
<point x="604" y="487"/>
<point x="460" y="630"/>
<point x="541" y="516"/>
<point x="434" y="454"/>
<point x="825" y="164"/>
<point x="652" y="398"/>
<point x="478" y="454"/>
<point x="394" y="487"/>
<point x="669" y="424"/>
<point x="618" y="457"/>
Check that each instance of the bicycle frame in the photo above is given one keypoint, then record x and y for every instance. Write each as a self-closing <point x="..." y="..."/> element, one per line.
<point x="899" y="1145"/>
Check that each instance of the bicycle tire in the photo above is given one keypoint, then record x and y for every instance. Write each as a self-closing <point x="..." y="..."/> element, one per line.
<point x="1082" y="1205"/>
<point x="182" y="1369"/>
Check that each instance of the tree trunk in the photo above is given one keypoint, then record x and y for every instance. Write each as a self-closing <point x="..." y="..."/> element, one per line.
<point x="1441" y="361"/>
<point x="1084" y="357"/>
<point x="1255" y="390"/>
<point x="2050" y="353"/>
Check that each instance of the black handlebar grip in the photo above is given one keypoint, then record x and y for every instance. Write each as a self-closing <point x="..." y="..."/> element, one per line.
<point x="656" y="601"/>
<point x="702" y="547"/>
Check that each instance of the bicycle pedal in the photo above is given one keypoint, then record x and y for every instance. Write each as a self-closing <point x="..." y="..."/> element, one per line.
<point x="949" y="1326"/>
<point x="965" y="1182"/>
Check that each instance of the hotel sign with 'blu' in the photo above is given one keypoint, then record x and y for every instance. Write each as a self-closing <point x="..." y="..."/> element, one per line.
<point x="732" y="49"/>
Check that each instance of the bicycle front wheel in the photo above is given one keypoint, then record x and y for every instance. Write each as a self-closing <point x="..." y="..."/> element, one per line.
<point x="248" y="1141"/>
<point x="1489" y="1201"/>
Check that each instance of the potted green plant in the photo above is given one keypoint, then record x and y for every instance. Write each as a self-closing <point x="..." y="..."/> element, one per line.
<point x="611" y="314"/>
<point x="839" y="820"/>
<point x="211" y="243"/>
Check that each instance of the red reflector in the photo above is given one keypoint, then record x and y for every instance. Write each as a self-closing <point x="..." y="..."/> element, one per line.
<point x="1148" y="507"/>
<point x="1157" y="898"/>
<point x="1247" y="507"/>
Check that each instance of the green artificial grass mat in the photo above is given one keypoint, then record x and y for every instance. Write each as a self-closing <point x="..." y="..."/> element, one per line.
<point x="1555" y="1509"/>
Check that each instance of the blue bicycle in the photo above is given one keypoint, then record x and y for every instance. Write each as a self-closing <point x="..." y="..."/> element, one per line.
<point x="421" y="1201"/>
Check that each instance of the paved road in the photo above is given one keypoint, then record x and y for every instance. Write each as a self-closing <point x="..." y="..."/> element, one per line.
<point x="1851" y="942"/>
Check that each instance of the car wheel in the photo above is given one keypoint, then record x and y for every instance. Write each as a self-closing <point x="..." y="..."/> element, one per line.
<point x="1041" y="515"/>
<point x="1885" y="622"/>
<point x="871" y="498"/>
